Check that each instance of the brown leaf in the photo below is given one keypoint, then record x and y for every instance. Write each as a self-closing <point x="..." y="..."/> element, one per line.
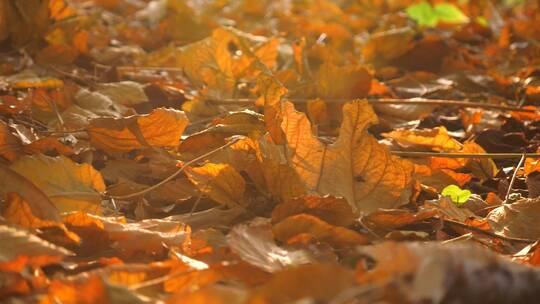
<point x="213" y="294"/>
<point x="161" y="128"/>
<point x="355" y="167"/>
<point x="396" y="218"/>
<point x="336" y="236"/>
<point x="255" y="244"/>
<point x="221" y="182"/>
<point x="335" y="211"/>
<point x="518" y="219"/>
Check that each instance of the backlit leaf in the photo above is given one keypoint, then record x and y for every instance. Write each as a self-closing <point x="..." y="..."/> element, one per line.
<point x="355" y="167"/>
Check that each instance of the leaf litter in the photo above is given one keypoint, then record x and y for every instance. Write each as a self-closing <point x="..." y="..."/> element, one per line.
<point x="269" y="151"/>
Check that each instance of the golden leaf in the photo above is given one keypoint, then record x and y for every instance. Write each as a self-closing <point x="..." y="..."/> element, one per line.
<point x="221" y="182"/>
<point x="161" y="128"/>
<point x="355" y="167"/>
<point x="436" y="139"/>
<point x="337" y="237"/>
<point x="39" y="203"/>
<point x="69" y="185"/>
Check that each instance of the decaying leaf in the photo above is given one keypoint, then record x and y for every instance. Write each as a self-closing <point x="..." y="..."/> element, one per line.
<point x="436" y="139"/>
<point x="517" y="219"/>
<point x="255" y="245"/>
<point x="356" y="166"/>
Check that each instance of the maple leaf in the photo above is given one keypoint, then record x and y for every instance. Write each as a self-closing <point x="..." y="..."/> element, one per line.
<point x="355" y="166"/>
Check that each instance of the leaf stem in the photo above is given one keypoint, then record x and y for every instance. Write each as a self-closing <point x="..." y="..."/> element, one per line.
<point x="374" y="101"/>
<point x="514" y="176"/>
<point x="462" y="155"/>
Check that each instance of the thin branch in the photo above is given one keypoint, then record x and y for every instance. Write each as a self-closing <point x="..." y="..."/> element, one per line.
<point x="175" y="174"/>
<point x="374" y="101"/>
<point x="462" y="155"/>
<point x="514" y="176"/>
<point x="488" y="233"/>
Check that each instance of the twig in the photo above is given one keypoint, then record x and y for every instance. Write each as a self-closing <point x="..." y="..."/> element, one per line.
<point x="175" y="174"/>
<point x="514" y="176"/>
<point x="488" y="233"/>
<point x="414" y="101"/>
<point x="462" y="155"/>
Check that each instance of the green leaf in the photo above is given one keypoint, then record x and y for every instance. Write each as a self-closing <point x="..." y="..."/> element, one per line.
<point x="456" y="194"/>
<point x="423" y="13"/>
<point x="449" y="13"/>
<point x="427" y="15"/>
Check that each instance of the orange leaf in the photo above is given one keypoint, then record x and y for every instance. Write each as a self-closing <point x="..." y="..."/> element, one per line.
<point x="337" y="237"/>
<point x="355" y="167"/>
<point x="161" y="128"/>
<point x="335" y="211"/>
<point x="221" y="182"/>
<point x="436" y="139"/>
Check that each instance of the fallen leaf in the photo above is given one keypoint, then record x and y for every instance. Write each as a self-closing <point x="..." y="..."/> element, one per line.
<point x="20" y="248"/>
<point x="40" y="204"/>
<point x="221" y="182"/>
<point x="71" y="186"/>
<point x="336" y="236"/>
<point x="516" y="219"/>
<point x="161" y="128"/>
<point x="396" y="218"/>
<point x="355" y="167"/>
<point x="436" y="139"/>
<point x="255" y="244"/>
<point x="319" y="283"/>
<point x="335" y="211"/>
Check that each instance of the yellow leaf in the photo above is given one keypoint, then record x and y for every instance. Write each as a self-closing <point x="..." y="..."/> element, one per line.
<point x="161" y="128"/>
<point x="436" y="139"/>
<point x="221" y="182"/>
<point x="355" y="167"/>
<point x="69" y="185"/>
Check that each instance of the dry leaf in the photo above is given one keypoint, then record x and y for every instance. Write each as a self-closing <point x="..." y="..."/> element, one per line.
<point x="71" y="186"/>
<point x="355" y="167"/>
<point x="19" y="248"/>
<point x="319" y="283"/>
<point x="221" y="182"/>
<point x="436" y="139"/>
<point x="300" y="224"/>
<point x="161" y="128"/>
<point x="255" y="244"/>
<point x="335" y="211"/>
<point x="40" y="204"/>
<point x="518" y="219"/>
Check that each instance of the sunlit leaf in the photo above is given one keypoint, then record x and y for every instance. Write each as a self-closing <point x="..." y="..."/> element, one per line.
<point x="161" y="128"/>
<point x="70" y="186"/>
<point x="356" y="166"/>
<point x="221" y="182"/>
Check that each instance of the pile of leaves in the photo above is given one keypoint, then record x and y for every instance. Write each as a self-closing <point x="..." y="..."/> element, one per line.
<point x="262" y="151"/>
